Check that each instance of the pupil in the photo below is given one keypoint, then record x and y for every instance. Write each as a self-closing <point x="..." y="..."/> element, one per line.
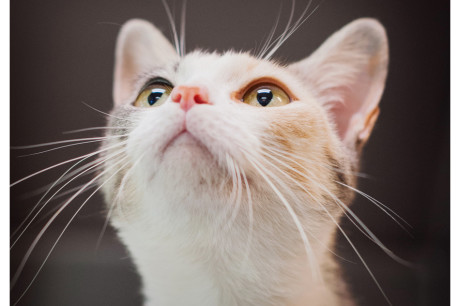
<point x="155" y="95"/>
<point x="264" y="96"/>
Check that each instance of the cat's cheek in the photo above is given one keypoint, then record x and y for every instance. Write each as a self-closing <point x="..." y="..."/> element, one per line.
<point x="155" y="130"/>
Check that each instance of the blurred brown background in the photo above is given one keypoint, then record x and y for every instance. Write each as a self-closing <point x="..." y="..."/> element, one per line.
<point x="62" y="55"/>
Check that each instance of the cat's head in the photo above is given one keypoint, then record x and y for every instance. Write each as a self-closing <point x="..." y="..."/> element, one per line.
<point x="192" y="130"/>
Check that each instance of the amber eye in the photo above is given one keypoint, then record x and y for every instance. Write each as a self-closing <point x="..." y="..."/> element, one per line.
<point x="266" y="95"/>
<point x="153" y="95"/>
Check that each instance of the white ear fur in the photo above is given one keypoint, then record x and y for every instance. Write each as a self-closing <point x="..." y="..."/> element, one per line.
<point x="140" y="47"/>
<point x="348" y="73"/>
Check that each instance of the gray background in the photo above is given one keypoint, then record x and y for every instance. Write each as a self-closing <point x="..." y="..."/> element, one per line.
<point x="62" y="55"/>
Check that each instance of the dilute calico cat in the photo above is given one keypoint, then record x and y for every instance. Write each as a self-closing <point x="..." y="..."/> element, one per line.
<point x="226" y="174"/>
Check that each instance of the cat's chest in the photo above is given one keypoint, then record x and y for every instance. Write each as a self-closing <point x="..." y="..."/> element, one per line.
<point x="209" y="261"/>
<point x="179" y="271"/>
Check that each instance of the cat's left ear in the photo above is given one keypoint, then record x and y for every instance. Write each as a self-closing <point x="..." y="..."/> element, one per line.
<point x="140" y="47"/>
<point x="348" y="74"/>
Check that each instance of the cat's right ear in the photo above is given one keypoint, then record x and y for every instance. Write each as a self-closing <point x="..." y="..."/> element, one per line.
<point x="348" y="74"/>
<point x="140" y="47"/>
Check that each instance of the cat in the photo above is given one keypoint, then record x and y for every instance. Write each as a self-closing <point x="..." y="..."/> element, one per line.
<point x="226" y="174"/>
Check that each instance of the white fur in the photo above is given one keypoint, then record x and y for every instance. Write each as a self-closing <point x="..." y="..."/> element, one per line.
<point x="172" y="211"/>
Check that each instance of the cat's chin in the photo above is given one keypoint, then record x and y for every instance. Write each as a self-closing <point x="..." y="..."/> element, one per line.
<point x="185" y="146"/>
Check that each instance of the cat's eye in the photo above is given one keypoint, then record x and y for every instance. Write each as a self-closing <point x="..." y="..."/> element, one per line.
<point x="266" y="95"/>
<point x="154" y="94"/>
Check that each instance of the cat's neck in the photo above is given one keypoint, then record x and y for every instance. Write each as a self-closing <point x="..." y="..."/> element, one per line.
<point x="194" y="262"/>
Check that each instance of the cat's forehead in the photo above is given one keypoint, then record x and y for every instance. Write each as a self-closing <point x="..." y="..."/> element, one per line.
<point x="223" y="72"/>
<point x="228" y="68"/>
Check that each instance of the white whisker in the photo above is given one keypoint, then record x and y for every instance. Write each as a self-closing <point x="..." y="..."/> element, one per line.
<point x="44" y="195"/>
<point x="286" y="29"/>
<point x="344" y="234"/>
<point x="66" y="226"/>
<point x="71" y="145"/>
<point x="65" y="141"/>
<point x="267" y="42"/>
<point x="232" y="197"/>
<point x="360" y="258"/>
<point x="116" y="199"/>
<point x="300" y="158"/>
<point x="289" y="31"/>
<point x="64" y="177"/>
<point x="305" y="190"/>
<point x="98" y="163"/>
<point x="56" y="165"/>
<point x="310" y="255"/>
<point x="95" y="128"/>
<point x="61" y="195"/>
<point x="173" y="27"/>
<point x="250" y="218"/>
<point x="237" y="204"/>
<point x="380" y="205"/>
<point x="104" y="113"/>
<point x="370" y="234"/>
<point x="182" y="27"/>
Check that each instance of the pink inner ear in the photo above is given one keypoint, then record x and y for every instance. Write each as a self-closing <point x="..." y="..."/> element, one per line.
<point x="355" y="103"/>
<point x="341" y="118"/>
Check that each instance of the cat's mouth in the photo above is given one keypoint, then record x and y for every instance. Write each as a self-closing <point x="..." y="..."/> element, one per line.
<point x="183" y="141"/>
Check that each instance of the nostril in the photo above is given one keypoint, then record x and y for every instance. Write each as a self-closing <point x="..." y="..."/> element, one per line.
<point x="187" y="96"/>
<point x="176" y="98"/>
<point x="199" y="99"/>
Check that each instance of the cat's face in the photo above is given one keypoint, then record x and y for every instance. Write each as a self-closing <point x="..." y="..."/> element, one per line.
<point x="197" y="130"/>
<point x="197" y="148"/>
<point x="209" y="153"/>
<point x="231" y="122"/>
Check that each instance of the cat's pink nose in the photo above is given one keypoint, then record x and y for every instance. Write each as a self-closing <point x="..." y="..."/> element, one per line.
<point x="188" y="96"/>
